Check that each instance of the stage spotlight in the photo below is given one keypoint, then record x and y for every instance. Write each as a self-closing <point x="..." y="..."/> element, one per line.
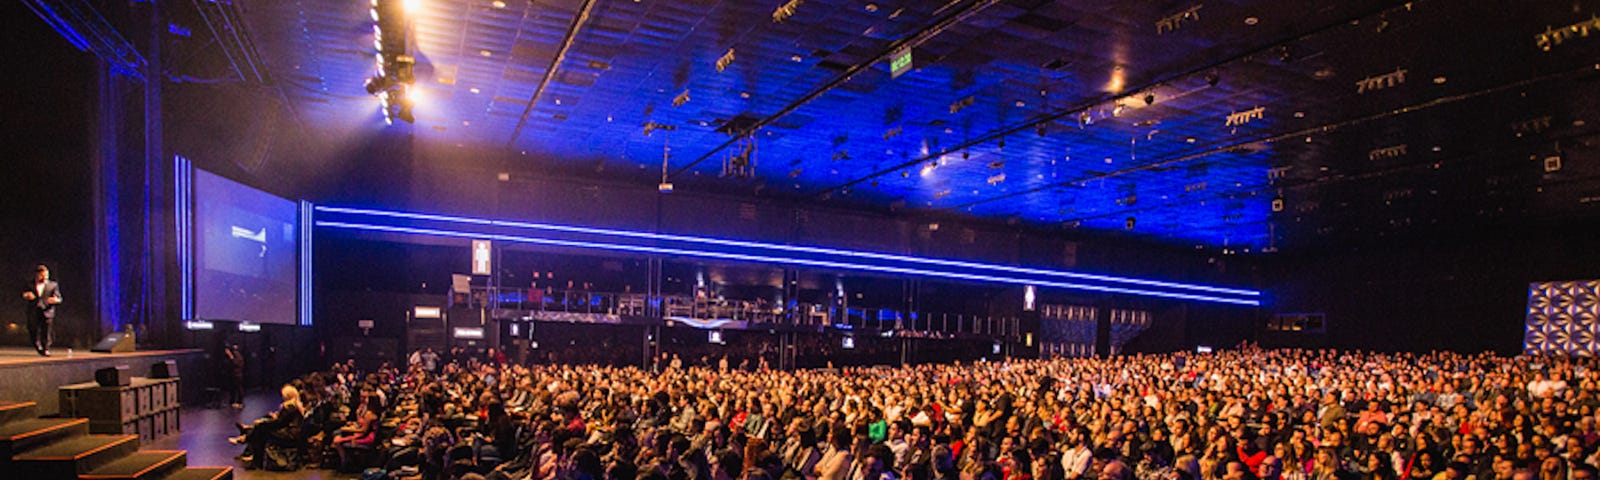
<point x="412" y="6"/>
<point x="1212" y="79"/>
<point x="664" y="187"/>
<point x="405" y="113"/>
<point x="1129" y="223"/>
<point x="1149" y="99"/>
<point x="378" y="84"/>
<point x="406" y="68"/>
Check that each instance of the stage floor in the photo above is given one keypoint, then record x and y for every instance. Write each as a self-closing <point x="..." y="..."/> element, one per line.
<point x="33" y="378"/>
<point x="17" y="356"/>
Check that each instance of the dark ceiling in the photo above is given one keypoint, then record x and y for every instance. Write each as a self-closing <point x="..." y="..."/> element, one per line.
<point x="1183" y="122"/>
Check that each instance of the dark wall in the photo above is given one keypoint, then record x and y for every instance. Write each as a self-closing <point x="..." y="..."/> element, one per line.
<point x="1467" y="294"/>
<point x="46" y="189"/>
<point x="459" y="182"/>
<point x="393" y="170"/>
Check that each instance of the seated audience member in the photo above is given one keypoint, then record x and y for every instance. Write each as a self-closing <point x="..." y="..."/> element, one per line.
<point x="1243" y="414"/>
<point x="281" y="426"/>
<point x="362" y="433"/>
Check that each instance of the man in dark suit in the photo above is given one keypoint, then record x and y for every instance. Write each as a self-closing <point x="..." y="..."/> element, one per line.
<point x="42" y="301"/>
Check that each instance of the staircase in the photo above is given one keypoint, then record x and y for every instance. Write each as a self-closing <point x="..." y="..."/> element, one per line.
<point x="62" y="448"/>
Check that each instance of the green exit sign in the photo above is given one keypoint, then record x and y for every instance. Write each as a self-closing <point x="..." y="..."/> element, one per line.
<point x="900" y="63"/>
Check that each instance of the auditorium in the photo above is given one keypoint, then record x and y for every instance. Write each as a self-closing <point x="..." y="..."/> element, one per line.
<point x="800" y="240"/>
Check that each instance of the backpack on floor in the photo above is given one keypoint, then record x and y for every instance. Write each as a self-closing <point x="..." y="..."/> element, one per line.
<point x="280" y="459"/>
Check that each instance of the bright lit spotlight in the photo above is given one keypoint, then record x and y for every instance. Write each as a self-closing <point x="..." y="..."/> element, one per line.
<point x="415" y="95"/>
<point x="412" y="6"/>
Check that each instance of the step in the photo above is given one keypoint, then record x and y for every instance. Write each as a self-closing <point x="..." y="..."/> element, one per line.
<point x="22" y="435"/>
<point x="14" y="411"/>
<point x="75" y="455"/>
<point x="202" y="473"/>
<point x="141" y="465"/>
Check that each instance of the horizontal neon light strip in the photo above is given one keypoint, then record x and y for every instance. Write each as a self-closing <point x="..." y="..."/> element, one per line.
<point x="790" y="248"/>
<point x="793" y="261"/>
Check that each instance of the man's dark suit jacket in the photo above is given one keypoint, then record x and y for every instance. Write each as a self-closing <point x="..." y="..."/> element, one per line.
<point x="41" y="304"/>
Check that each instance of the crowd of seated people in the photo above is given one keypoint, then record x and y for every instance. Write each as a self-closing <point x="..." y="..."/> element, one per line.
<point x="1241" y="414"/>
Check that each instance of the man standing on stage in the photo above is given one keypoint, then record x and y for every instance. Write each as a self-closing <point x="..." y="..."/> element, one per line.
<point x="42" y="300"/>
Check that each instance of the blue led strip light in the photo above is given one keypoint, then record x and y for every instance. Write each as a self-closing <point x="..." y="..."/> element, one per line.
<point x="790" y="248"/>
<point x="307" y="210"/>
<point x="183" y="205"/>
<point x="778" y="260"/>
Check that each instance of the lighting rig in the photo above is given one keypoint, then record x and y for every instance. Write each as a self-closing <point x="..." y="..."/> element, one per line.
<point x="392" y="81"/>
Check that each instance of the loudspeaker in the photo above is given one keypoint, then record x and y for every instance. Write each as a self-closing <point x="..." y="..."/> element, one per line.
<point x="116" y="342"/>
<point x="164" y="369"/>
<point x="113" y="376"/>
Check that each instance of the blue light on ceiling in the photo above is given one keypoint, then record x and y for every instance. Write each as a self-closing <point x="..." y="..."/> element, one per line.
<point x="787" y="248"/>
<point x="780" y="260"/>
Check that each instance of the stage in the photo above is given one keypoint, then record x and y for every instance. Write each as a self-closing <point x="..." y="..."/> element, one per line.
<point x="26" y="376"/>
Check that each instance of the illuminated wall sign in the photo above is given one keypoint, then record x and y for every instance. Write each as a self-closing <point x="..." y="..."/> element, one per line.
<point x="249" y="327"/>
<point x="1029" y="293"/>
<point x="467" y="332"/>
<point x="481" y="254"/>
<point x="427" y="312"/>
<point x="900" y="63"/>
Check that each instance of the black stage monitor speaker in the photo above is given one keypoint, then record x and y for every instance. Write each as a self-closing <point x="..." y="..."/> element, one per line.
<point x="117" y="376"/>
<point x="164" y="369"/>
<point x="116" y="342"/>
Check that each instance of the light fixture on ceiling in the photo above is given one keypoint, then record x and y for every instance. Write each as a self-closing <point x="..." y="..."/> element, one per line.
<point x="395" y="70"/>
<point x="377" y="84"/>
<point x="1251" y="21"/>
<point x="666" y="153"/>
<point x="498" y="4"/>
<point x="1212" y="78"/>
<point x="1149" y="98"/>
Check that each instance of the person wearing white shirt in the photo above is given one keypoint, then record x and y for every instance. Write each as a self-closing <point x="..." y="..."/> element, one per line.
<point x="1075" y="461"/>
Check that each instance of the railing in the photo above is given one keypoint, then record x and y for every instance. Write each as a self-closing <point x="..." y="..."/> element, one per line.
<point x="518" y="302"/>
<point x="565" y="301"/>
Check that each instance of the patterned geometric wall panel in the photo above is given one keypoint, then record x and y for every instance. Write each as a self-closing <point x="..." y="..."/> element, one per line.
<point x="1563" y="318"/>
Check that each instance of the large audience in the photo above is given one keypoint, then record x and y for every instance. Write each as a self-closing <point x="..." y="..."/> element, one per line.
<point x="1241" y="414"/>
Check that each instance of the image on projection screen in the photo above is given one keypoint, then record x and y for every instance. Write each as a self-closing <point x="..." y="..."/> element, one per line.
<point x="246" y="251"/>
